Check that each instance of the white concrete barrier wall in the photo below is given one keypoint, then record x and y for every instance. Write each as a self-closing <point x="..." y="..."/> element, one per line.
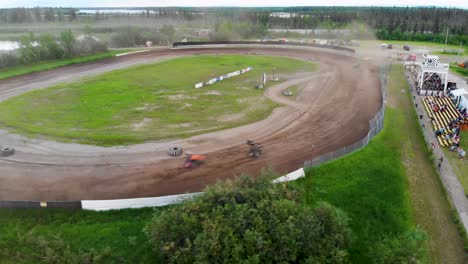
<point x="128" y="53"/>
<point x="291" y="176"/>
<point x="104" y="205"/>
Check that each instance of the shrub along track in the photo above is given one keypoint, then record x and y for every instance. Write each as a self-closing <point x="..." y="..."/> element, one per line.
<point x="331" y="111"/>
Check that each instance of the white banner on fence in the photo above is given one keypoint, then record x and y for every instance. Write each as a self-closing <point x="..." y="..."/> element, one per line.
<point x="222" y="77"/>
<point x="104" y="205"/>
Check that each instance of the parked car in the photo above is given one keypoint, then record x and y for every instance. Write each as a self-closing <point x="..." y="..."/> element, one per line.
<point x="411" y="57"/>
<point x="406" y="47"/>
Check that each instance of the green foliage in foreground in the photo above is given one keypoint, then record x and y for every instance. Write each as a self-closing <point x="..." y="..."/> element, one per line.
<point x="50" y="65"/>
<point x="62" y="236"/>
<point x="250" y="221"/>
<point x="149" y="102"/>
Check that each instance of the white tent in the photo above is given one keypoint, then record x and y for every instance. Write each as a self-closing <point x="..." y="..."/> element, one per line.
<point x="464" y="96"/>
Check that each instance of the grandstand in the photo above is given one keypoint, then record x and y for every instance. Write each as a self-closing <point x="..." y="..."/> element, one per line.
<point x="446" y="119"/>
<point x="430" y="75"/>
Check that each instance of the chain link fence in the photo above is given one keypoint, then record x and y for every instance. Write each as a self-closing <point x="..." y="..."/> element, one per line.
<point x="375" y="126"/>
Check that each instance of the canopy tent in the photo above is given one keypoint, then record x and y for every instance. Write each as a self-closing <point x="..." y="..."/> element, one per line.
<point x="463" y="94"/>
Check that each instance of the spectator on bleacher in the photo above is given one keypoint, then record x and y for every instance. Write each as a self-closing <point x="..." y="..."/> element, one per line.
<point x="461" y="153"/>
<point x="447" y="137"/>
<point x="440" y="131"/>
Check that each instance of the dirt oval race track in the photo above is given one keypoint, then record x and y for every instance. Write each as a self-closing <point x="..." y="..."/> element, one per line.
<point x="331" y="111"/>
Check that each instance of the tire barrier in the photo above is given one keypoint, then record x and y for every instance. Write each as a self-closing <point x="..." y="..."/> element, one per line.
<point x="175" y="151"/>
<point x="6" y="151"/>
<point x="287" y="93"/>
<point x="265" y="43"/>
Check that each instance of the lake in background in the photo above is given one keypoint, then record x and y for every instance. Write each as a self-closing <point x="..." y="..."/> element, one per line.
<point x="8" y="45"/>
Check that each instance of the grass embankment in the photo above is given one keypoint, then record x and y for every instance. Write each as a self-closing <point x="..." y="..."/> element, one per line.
<point x="460" y="167"/>
<point x="457" y="70"/>
<point x="390" y="186"/>
<point x="149" y="102"/>
<point x="448" y="53"/>
<point x="61" y="236"/>
<point x="49" y="65"/>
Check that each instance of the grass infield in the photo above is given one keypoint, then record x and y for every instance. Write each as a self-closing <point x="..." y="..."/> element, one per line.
<point x="149" y="102"/>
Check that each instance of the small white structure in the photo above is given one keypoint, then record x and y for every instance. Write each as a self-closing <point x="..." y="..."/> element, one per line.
<point x="431" y="65"/>
<point x="300" y="173"/>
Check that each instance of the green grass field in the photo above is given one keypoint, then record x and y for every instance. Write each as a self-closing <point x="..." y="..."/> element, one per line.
<point x="390" y="186"/>
<point x="61" y="236"/>
<point x="149" y="102"/>
<point x="460" y="167"/>
<point x="459" y="71"/>
<point x="49" y="65"/>
<point x="448" y="53"/>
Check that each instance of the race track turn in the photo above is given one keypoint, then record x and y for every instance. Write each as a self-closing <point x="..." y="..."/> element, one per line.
<point x="331" y="111"/>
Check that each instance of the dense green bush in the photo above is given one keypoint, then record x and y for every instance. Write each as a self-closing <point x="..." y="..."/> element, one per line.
<point x="128" y="37"/>
<point x="8" y="59"/>
<point x="237" y="30"/>
<point x="47" y="47"/>
<point x="250" y="221"/>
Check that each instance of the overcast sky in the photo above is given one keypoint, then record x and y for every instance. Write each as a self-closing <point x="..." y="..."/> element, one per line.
<point x="141" y="3"/>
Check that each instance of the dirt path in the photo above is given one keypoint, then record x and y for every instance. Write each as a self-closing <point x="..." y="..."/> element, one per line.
<point x="331" y="111"/>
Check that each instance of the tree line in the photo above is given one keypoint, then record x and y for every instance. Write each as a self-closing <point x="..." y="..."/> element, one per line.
<point x="33" y="49"/>
<point x="387" y="23"/>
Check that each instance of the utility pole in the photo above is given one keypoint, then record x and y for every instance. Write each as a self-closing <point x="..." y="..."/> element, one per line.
<point x="446" y="37"/>
<point x="459" y="50"/>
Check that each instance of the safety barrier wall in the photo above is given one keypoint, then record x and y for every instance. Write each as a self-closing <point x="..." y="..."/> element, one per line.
<point x="117" y="204"/>
<point x="375" y="126"/>
<point x="201" y="43"/>
<point x="38" y="204"/>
